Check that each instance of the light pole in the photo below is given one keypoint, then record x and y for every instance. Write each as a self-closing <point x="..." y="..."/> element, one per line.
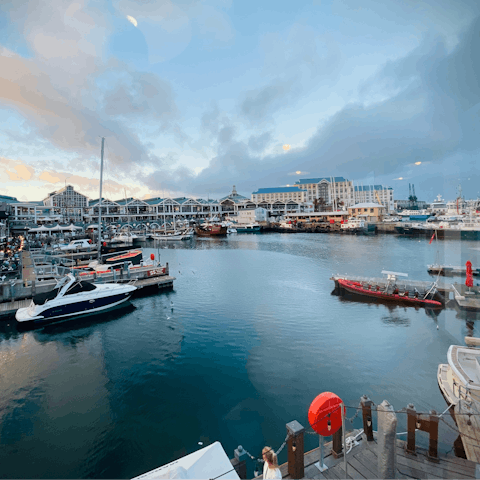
<point x="65" y="198"/>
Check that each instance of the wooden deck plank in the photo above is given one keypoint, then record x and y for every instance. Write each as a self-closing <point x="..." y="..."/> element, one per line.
<point x="369" y="461"/>
<point x="431" y="469"/>
<point x="331" y="474"/>
<point x="313" y="472"/>
<point x="450" y="459"/>
<point x="369" y="471"/>
<point x="412" y="472"/>
<point x="444" y="469"/>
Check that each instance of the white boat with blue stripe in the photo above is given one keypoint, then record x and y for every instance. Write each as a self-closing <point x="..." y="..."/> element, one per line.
<point x="72" y="297"/>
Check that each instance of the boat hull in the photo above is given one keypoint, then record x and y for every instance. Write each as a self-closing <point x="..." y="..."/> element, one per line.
<point x="63" y="312"/>
<point x="211" y="231"/>
<point x="358" y="289"/>
<point x="256" y="229"/>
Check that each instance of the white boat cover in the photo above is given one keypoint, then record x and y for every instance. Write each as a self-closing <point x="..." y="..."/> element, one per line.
<point x="208" y="462"/>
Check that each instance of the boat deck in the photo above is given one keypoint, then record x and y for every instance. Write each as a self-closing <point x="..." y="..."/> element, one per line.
<point x="362" y="463"/>
<point x="467" y="417"/>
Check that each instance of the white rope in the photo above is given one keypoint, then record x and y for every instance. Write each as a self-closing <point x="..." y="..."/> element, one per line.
<point x="350" y="441"/>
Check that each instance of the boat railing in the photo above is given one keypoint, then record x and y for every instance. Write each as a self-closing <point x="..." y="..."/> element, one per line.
<point x="463" y="392"/>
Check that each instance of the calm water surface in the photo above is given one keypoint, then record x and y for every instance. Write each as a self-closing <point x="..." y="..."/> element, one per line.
<point x="248" y="337"/>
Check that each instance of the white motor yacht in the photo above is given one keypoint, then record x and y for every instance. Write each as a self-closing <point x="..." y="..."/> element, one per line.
<point x="72" y="297"/>
<point x="460" y="378"/>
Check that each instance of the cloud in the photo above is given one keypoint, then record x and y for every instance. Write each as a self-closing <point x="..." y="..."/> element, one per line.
<point x="431" y="114"/>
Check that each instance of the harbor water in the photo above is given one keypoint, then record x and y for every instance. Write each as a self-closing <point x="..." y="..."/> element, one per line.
<point x="248" y="337"/>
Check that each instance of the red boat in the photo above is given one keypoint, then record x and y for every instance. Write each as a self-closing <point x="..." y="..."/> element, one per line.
<point x="134" y="256"/>
<point x="391" y="293"/>
<point x="211" y="231"/>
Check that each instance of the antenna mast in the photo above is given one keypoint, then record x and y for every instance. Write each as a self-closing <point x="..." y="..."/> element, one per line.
<point x="100" y="206"/>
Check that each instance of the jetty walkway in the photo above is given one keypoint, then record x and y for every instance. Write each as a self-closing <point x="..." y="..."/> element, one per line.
<point x="362" y="463"/>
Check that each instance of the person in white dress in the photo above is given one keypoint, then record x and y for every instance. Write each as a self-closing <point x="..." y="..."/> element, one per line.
<point x="270" y="467"/>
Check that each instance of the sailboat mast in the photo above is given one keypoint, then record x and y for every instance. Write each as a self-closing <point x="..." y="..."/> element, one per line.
<point x="100" y="205"/>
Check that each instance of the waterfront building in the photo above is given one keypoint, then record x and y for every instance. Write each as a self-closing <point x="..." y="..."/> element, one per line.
<point x="68" y="203"/>
<point x="133" y="211"/>
<point x="279" y="194"/>
<point x="372" y="212"/>
<point x="374" y="194"/>
<point x="24" y="215"/>
<point x="335" y="191"/>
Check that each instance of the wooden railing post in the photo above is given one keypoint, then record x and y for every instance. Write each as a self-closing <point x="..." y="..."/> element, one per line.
<point x="295" y="449"/>
<point x="411" y="425"/>
<point x="367" y="417"/>
<point x="337" y="443"/>
<point x="433" y="431"/>
<point x="239" y="462"/>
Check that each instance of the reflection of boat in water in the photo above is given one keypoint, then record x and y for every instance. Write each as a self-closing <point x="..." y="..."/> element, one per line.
<point x="71" y="297"/>
<point x="386" y="290"/>
<point x="459" y="379"/>
<point x="211" y="230"/>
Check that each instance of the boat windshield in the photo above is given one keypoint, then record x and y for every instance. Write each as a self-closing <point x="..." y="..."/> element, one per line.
<point x="79" y="287"/>
<point x="41" y="298"/>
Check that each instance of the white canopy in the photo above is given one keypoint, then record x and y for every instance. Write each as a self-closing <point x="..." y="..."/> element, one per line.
<point x="56" y="228"/>
<point x="72" y="228"/>
<point x="42" y="228"/>
<point x="208" y="462"/>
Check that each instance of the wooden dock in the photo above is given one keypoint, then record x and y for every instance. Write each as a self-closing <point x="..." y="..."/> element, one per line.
<point x="362" y="463"/>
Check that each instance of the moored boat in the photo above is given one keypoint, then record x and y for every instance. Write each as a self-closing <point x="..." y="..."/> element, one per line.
<point x="412" y="293"/>
<point x="72" y="297"/>
<point x="391" y="294"/>
<point x="211" y="230"/>
<point x="460" y="377"/>
<point x="249" y="228"/>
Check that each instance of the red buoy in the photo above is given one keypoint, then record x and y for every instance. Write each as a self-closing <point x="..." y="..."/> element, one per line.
<point x="152" y="256"/>
<point x="104" y="244"/>
<point x="332" y="220"/>
<point x="324" y="414"/>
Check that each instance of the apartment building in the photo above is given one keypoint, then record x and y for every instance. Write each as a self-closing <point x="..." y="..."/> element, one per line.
<point x="375" y="194"/>
<point x="327" y="190"/>
<point x="279" y="194"/>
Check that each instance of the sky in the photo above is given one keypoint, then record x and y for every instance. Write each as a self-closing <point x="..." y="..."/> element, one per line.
<point x="194" y="97"/>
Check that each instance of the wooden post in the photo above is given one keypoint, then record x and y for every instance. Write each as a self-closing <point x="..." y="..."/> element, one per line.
<point x="295" y="449"/>
<point x="367" y="417"/>
<point x="433" y="431"/>
<point x="239" y="462"/>
<point x="337" y="443"/>
<point x="386" y="438"/>
<point x="411" y="425"/>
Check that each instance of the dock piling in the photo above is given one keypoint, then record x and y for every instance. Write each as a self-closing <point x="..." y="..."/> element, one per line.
<point x="411" y="426"/>
<point x="337" y="443"/>
<point x="386" y="439"/>
<point x="239" y="462"/>
<point x="367" y="417"/>
<point x="295" y="445"/>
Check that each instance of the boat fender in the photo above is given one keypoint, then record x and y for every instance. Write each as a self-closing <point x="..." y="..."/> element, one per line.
<point x="472" y="341"/>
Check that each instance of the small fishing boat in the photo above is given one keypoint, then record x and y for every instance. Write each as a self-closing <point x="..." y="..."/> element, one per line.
<point x="389" y="291"/>
<point x="174" y="236"/>
<point x="72" y="297"/>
